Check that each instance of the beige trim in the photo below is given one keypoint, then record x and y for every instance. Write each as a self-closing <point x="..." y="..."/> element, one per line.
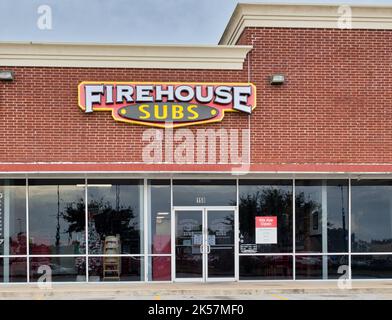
<point x="302" y="16"/>
<point x="122" y="56"/>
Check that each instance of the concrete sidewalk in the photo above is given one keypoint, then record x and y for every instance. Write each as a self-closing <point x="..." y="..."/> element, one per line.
<point x="195" y="290"/>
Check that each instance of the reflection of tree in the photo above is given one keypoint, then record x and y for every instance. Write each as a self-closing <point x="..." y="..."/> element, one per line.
<point x="74" y="215"/>
<point x="306" y="210"/>
<point x="267" y="201"/>
<point x="112" y="221"/>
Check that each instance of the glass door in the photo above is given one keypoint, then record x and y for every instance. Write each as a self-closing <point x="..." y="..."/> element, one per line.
<point x="189" y="245"/>
<point x="220" y="249"/>
<point x="204" y="244"/>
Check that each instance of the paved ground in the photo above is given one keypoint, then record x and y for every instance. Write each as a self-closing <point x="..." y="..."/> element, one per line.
<point x="379" y="290"/>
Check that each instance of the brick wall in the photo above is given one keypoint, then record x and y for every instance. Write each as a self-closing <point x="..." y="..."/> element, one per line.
<point x="336" y="106"/>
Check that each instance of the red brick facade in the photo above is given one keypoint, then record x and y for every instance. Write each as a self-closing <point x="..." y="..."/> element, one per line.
<point x="335" y="108"/>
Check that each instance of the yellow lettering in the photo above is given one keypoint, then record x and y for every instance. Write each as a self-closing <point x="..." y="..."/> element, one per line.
<point x="177" y="112"/>
<point x="195" y="114"/>
<point x="156" y="112"/>
<point x="142" y="109"/>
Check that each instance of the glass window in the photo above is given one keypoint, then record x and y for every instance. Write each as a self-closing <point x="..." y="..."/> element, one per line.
<point x="57" y="216"/>
<point x="159" y="215"/>
<point x="115" y="216"/>
<point x="204" y="193"/>
<point x="265" y="198"/>
<point x="320" y="267"/>
<point x="115" y="269"/>
<point x="13" y="217"/>
<point x="266" y="267"/>
<point x="58" y="269"/>
<point x="371" y="215"/>
<point x="321" y="220"/>
<point x="159" y="268"/>
<point x="371" y="266"/>
<point x="13" y="270"/>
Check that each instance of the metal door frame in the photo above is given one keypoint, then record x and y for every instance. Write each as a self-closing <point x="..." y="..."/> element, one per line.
<point x="204" y="210"/>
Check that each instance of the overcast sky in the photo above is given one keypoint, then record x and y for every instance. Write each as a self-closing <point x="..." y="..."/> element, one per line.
<point x="126" y="21"/>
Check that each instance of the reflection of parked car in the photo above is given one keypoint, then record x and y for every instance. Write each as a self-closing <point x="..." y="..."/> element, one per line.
<point x="61" y="270"/>
<point x="308" y="261"/>
<point x="362" y="263"/>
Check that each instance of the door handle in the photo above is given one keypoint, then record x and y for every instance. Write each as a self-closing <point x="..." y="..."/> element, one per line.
<point x="208" y="248"/>
<point x="201" y="248"/>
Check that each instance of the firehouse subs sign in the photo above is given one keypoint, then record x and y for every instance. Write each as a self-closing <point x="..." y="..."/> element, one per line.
<point x="167" y="104"/>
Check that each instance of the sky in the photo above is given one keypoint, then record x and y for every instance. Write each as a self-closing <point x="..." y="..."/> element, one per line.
<point x="126" y="21"/>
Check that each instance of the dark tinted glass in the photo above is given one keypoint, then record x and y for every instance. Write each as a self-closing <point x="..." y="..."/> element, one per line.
<point x="57" y="216"/>
<point x="220" y="235"/>
<point x="265" y="198"/>
<point x="115" y="216"/>
<point x="266" y="267"/>
<point x="13" y="270"/>
<point x="204" y="192"/>
<point x="320" y="267"/>
<point x="321" y="215"/>
<point x="373" y="266"/>
<point x="188" y="250"/>
<point x="371" y="215"/>
<point x="13" y="217"/>
<point x="159" y="216"/>
<point x="58" y="269"/>
<point x="115" y="269"/>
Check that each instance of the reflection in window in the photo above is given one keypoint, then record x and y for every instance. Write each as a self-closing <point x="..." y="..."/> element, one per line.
<point x="321" y="267"/>
<point x="321" y="215"/>
<point x="159" y="268"/>
<point x="266" y="267"/>
<point x="159" y="215"/>
<point x="58" y="269"/>
<point x="371" y="216"/>
<point x="115" y="217"/>
<point x="204" y="193"/>
<point x="115" y="269"/>
<point x="57" y="216"/>
<point x="13" y="217"/>
<point x="13" y="270"/>
<point x="265" y="198"/>
<point x="371" y="266"/>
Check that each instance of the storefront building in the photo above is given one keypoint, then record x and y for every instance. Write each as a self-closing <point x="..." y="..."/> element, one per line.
<point x="266" y="157"/>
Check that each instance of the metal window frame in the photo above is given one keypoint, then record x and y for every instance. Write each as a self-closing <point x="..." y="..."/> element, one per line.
<point x="146" y="255"/>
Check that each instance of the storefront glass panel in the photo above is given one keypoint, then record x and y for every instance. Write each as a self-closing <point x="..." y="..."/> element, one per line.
<point x="159" y="268"/>
<point x="204" y="193"/>
<point x="57" y="217"/>
<point x="266" y="267"/>
<point x="321" y="220"/>
<point x="13" y="217"/>
<point x="115" y="216"/>
<point x="265" y="198"/>
<point x="371" y="266"/>
<point x="58" y="269"/>
<point x="116" y="269"/>
<point x="321" y="267"/>
<point x="371" y="229"/>
<point x="13" y="270"/>
<point x="159" y="216"/>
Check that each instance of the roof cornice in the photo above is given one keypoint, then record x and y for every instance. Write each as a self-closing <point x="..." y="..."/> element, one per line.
<point x="302" y="16"/>
<point x="122" y="56"/>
